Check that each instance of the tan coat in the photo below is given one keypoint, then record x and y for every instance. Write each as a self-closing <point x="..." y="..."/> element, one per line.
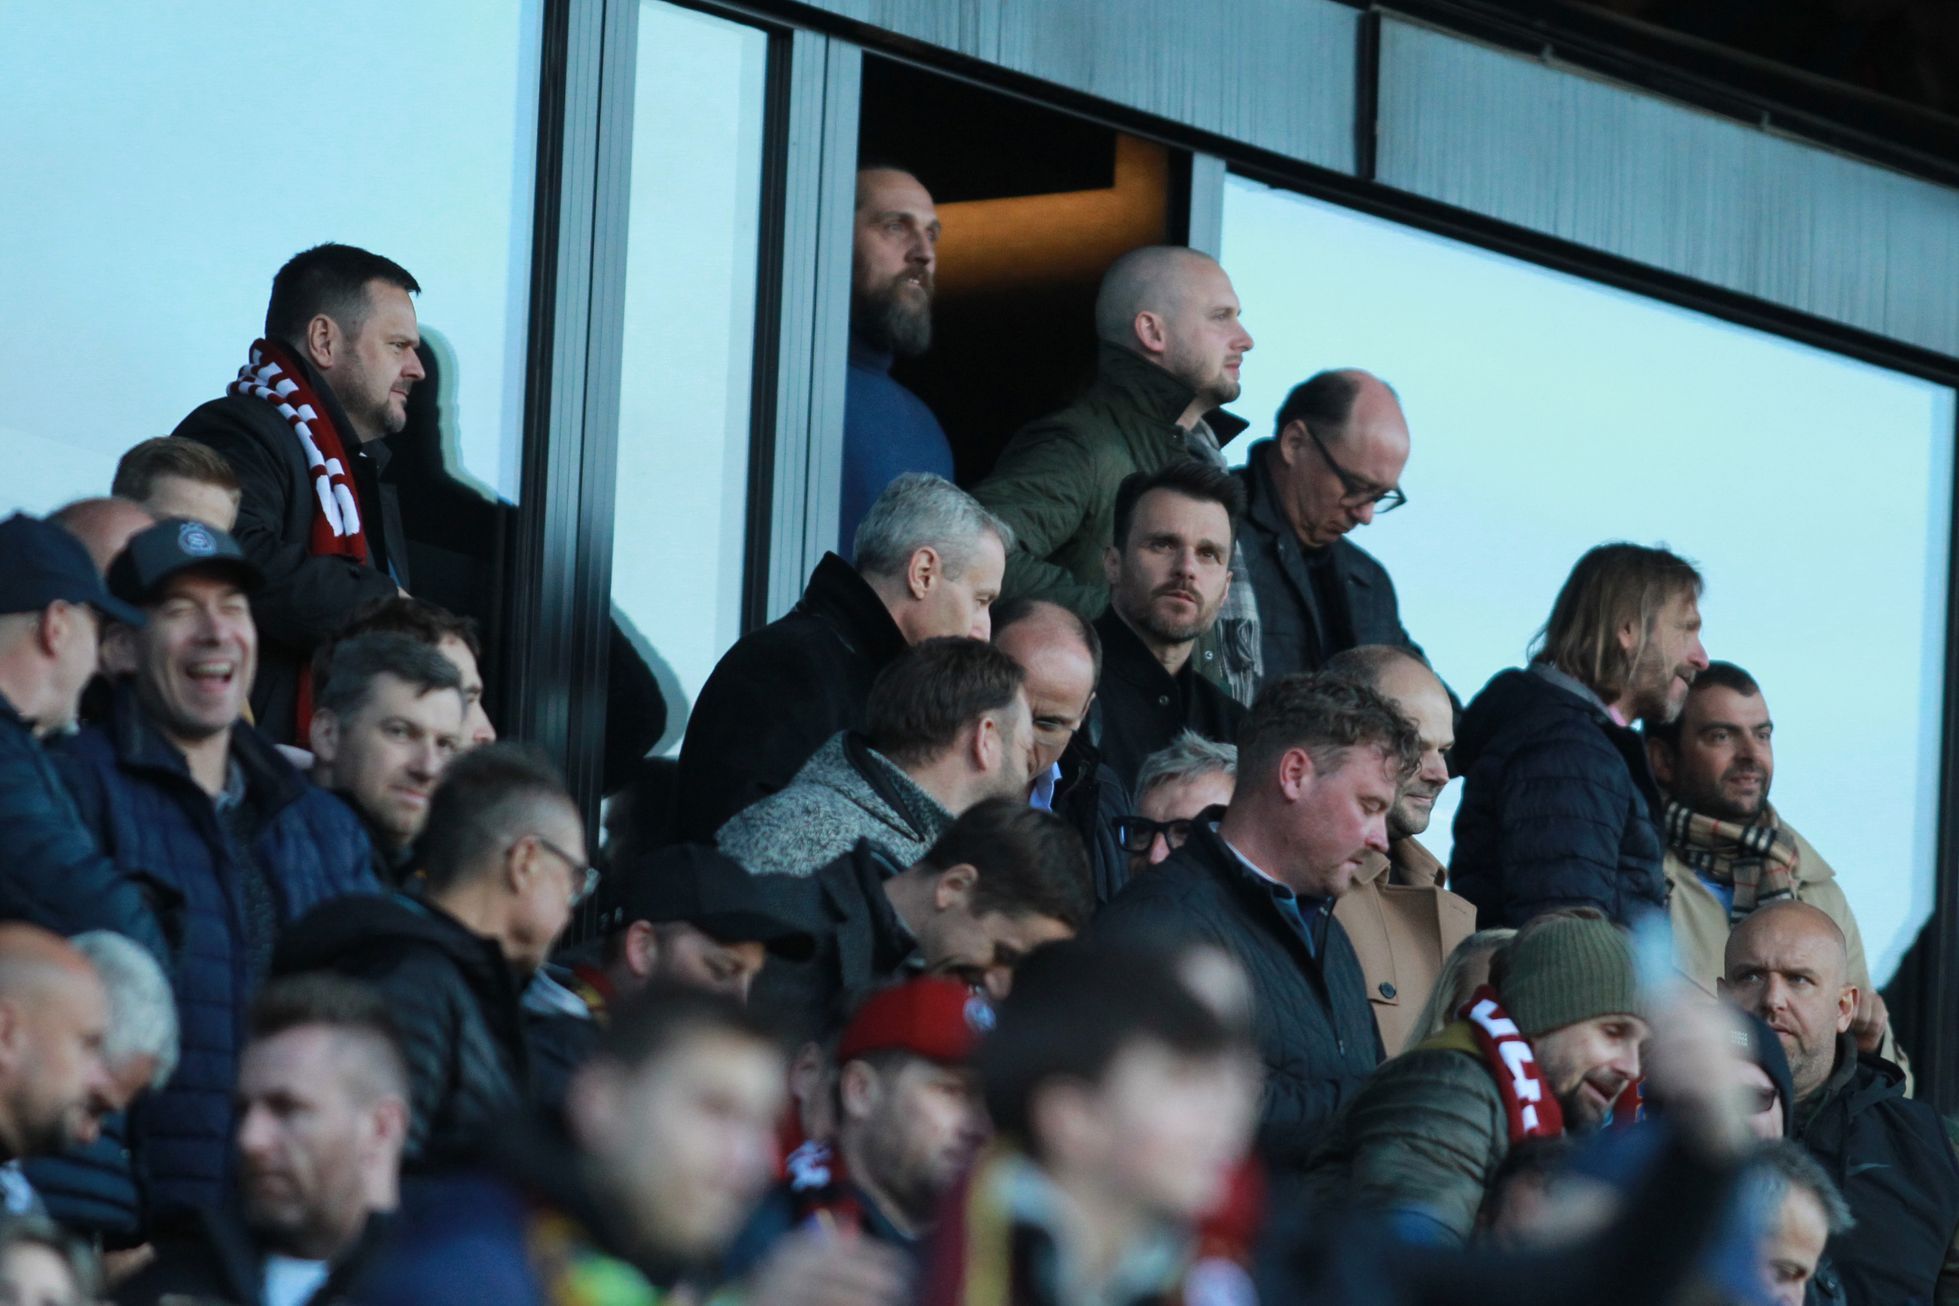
<point x="1403" y="925"/>
<point x="1700" y="925"/>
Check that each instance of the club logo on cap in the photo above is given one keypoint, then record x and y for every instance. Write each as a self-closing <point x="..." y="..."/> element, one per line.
<point x="979" y="1014"/>
<point x="195" y="539"/>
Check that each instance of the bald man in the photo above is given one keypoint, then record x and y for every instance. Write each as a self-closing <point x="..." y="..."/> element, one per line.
<point x="1171" y="344"/>
<point x="55" y="1084"/>
<point x="1334" y="463"/>
<point x="1402" y="922"/>
<point x="1788" y="963"/>
<point x="103" y="526"/>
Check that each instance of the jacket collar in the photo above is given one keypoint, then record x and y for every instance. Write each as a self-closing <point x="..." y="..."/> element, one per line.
<point x="1407" y="865"/>
<point x="140" y="745"/>
<point x="856" y="882"/>
<point x="1131" y="379"/>
<point x="838" y="594"/>
<point x="1262" y="506"/>
<point x="1128" y="659"/>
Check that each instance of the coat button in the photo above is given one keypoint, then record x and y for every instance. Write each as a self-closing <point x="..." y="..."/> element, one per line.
<point x="1387" y="990"/>
<point x="1163" y="700"/>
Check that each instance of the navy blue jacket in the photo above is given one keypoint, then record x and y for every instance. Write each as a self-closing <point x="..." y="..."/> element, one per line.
<point x="887" y="431"/>
<point x="136" y="792"/>
<point x="1559" y="808"/>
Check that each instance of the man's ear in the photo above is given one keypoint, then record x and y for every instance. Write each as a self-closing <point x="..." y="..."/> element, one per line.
<point x="592" y="1105"/>
<point x="954" y="886"/>
<point x="642" y="950"/>
<point x="1846" y="1007"/>
<point x="1660" y="758"/>
<point x="390" y="1123"/>
<point x="1292" y="441"/>
<point x="1111" y="566"/>
<point x="1296" y="773"/>
<point x="323" y="737"/>
<point x="987" y="746"/>
<point x="923" y="571"/>
<point x="859" y="1089"/>
<point x="118" y="651"/>
<point x="1063" y="1115"/>
<point x="323" y="343"/>
<point x="1628" y="637"/>
<point x="1152" y="333"/>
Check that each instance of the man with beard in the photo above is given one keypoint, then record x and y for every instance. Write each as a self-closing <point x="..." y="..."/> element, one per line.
<point x="1168" y="569"/>
<point x="201" y="809"/>
<point x="1559" y="808"/>
<point x="1787" y="963"/>
<point x="304" y="428"/>
<point x="888" y="430"/>
<point x="1729" y="851"/>
<point x="1171" y="345"/>
<point x="1546" y="1049"/>
<point x="909" y="1123"/>
<point x="322" y="1112"/>
<point x="1401" y="920"/>
<point x="55" y="1083"/>
<point x="1334" y="464"/>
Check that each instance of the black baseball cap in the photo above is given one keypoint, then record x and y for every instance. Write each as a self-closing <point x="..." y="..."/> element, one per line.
<point x="695" y="885"/>
<point x="173" y="546"/>
<point x="45" y="564"/>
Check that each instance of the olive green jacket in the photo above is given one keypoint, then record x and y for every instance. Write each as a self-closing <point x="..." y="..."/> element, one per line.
<point x="1055" y="482"/>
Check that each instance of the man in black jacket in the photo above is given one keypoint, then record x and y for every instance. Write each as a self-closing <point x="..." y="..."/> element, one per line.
<point x="1004" y="879"/>
<point x="322" y="1116"/>
<point x="1320" y="763"/>
<point x="929" y="563"/>
<point x="1788" y="963"/>
<point x="341" y="328"/>
<point x="1062" y="656"/>
<point x="1559" y="808"/>
<point x="504" y="851"/>
<point x="1169" y="570"/>
<point x="1334" y="464"/>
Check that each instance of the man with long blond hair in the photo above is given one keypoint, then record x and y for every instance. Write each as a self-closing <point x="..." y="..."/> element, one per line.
<point x="1559" y="808"/>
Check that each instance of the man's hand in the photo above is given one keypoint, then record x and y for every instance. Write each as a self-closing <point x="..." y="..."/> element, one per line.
<point x="1690" y="1066"/>
<point x="829" y="1269"/>
<point x="1871" y="1021"/>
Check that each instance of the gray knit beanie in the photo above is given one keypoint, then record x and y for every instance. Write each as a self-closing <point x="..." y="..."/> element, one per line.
<point x="1563" y="969"/>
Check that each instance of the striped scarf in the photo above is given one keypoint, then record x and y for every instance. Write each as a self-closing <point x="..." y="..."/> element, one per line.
<point x="1758" y="860"/>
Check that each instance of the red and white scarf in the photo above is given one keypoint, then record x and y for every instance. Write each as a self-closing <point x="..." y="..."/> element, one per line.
<point x="1528" y="1102"/>
<point x="274" y="375"/>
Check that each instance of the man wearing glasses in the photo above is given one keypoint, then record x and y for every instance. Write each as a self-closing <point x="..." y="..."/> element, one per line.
<point x="504" y="852"/>
<point x="1334" y="464"/>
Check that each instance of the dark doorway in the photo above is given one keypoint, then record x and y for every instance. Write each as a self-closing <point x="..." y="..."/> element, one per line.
<point x="1035" y="205"/>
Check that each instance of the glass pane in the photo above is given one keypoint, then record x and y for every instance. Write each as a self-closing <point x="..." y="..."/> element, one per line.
<point x="163" y="161"/>
<point x="1550" y="414"/>
<point x="681" y="519"/>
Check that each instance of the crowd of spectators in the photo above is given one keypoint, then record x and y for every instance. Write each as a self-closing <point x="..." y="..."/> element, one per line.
<point x="1036" y="913"/>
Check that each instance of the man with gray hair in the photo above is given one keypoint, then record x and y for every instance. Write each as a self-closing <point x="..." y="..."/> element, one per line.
<point x="1801" y="1210"/>
<point x="1170" y="348"/>
<point x="90" y="1190"/>
<point x="1176" y="785"/>
<point x="389" y="717"/>
<point x="929" y="564"/>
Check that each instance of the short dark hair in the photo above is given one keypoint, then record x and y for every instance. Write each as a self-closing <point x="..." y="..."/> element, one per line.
<point x="348" y="1007"/>
<point x="1326" y="715"/>
<point x="1030" y="862"/>
<point x="170" y="455"/>
<point x="401" y="614"/>
<point x="1011" y="612"/>
<point x="1189" y="477"/>
<point x="487" y="797"/>
<point x="649" y="1023"/>
<point x="1324" y="401"/>
<point x="330" y="279"/>
<point x="360" y="661"/>
<point x="932" y="691"/>
<point x="1719" y="675"/>
<point x="1078" y="1006"/>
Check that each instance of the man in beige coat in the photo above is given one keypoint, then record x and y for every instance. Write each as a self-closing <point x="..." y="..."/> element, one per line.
<point x="1729" y="851"/>
<point x="1402" y="922"/>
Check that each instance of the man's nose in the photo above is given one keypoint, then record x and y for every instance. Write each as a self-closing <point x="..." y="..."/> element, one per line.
<point x="1697" y="656"/>
<point x="1159" y="848"/>
<point x="411" y="368"/>
<point x="1364" y="514"/>
<point x="1377" y="833"/>
<point x="1243" y="344"/>
<point x="982" y="626"/>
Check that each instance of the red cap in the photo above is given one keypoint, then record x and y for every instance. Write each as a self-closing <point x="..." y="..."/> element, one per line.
<point x="939" y="1019"/>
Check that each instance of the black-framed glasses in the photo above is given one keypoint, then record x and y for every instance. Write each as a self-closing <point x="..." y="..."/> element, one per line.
<point x="584" y="875"/>
<point x="1358" y="492"/>
<point x="1137" y="833"/>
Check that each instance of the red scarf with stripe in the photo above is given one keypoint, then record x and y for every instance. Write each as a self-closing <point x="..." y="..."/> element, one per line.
<point x="1528" y="1103"/>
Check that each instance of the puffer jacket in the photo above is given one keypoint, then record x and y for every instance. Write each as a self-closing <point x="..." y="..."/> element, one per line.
<point x="1311" y="1020"/>
<point x="1421" y="1141"/>
<point x="135" y="791"/>
<point x="1559" y="808"/>
<point x="846" y="793"/>
<point x="458" y="1004"/>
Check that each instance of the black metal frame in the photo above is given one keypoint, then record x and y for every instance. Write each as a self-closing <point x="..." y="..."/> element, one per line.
<point x="555" y="666"/>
